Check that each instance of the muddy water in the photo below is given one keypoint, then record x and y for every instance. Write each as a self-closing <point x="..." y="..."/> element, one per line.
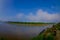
<point x="9" y="30"/>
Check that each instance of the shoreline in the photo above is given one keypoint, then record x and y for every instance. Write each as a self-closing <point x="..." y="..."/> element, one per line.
<point x="52" y="33"/>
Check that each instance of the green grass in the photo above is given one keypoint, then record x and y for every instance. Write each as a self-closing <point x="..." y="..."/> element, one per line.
<point x="48" y="34"/>
<point x="3" y="38"/>
<point x="44" y="37"/>
<point x="57" y="26"/>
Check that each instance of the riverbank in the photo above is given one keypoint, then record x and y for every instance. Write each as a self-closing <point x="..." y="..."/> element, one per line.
<point x="50" y="33"/>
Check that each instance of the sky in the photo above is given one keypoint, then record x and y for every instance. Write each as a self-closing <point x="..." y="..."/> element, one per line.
<point x="30" y="10"/>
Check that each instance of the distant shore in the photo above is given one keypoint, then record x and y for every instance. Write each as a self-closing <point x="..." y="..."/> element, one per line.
<point x="30" y="23"/>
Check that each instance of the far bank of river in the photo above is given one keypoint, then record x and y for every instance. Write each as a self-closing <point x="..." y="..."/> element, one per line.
<point x="30" y="23"/>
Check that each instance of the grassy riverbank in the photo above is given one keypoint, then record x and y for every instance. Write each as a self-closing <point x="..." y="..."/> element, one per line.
<point x="50" y="33"/>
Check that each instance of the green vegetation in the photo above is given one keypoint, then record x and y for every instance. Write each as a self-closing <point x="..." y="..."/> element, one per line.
<point x="49" y="34"/>
<point x="57" y="26"/>
<point x="44" y="36"/>
<point x="3" y="38"/>
<point x="28" y="22"/>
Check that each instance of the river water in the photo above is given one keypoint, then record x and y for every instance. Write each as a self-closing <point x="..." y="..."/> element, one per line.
<point x="22" y="31"/>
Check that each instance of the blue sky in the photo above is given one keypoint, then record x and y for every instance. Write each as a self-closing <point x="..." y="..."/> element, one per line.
<point x="30" y="10"/>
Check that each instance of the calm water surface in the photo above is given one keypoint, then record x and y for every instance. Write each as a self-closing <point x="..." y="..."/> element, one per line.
<point x="21" y="30"/>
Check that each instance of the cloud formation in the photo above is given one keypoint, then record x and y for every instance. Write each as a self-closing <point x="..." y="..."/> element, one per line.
<point x="41" y="16"/>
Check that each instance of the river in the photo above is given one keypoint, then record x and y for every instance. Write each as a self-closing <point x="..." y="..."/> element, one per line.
<point x="21" y="31"/>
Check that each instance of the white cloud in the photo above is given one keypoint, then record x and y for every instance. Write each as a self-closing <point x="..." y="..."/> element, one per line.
<point x="41" y="16"/>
